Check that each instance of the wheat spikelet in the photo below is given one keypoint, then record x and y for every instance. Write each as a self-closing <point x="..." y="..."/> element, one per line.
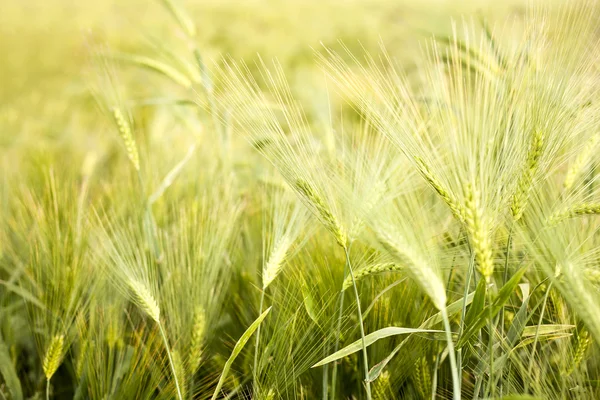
<point x="592" y="274"/>
<point x="179" y="370"/>
<point x="326" y="216"/>
<point x="422" y="378"/>
<point x="270" y="395"/>
<point x="81" y="357"/>
<point x="583" y="343"/>
<point x="521" y="196"/>
<point x="144" y="299"/>
<point x="370" y="270"/>
<point x="456" y="209"/>
<point x="272" y="268"/>
<point x="53" y="356"/>
<point x="477" y="228"/>
<point x="127" y="137"/>
<point x="198" y="331"/>
<point x="420" y="270"/>
<point x="575" y="211"/>
<point x="581" y="160"/>
<point x="382" y="389"/>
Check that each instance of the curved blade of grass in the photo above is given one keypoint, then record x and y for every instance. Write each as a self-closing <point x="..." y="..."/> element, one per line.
<point x="25" y="295"/>
<point x="155" y="65"/>
<point x="478" y="303"/>
<point x="8" y="372"/>
<point x="370" y="339"/>
<point x="545" y="329"/>
<point x="183" y="19"/>
<point x="494" y="308"/>
<point x="237" y="349"/>
<point x="431" y="321"/>
<point x="170" y="177"/>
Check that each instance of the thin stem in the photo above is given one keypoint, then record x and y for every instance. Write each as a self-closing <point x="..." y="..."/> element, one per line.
<point x="362" y="329"/>
<point x="491" y="386"/>
<point x="337" y="337"/>
<point x="506" y="261"/>
<point x="257" y="339"/>
<point x="454" y="370"/>
<point x="164" y="337"/>
<point x="325" y="382"/>
<point x="535" y="340"/>
<point x="434" y="379"/>
<point x="464" y="306"/>
<point x="47" y="389"/>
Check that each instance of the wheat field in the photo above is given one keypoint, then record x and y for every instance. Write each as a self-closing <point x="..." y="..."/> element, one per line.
<point x="299" y="199"/>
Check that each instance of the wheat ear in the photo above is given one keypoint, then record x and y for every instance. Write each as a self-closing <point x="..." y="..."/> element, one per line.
<point x="456" y="209"/>
<point x="478" y="231"/>
<point x="370" y="270"/>
<point x="273" y="266"/>
<point x="330" y="221"/>
<point x="127" y="137"/>
<point x="575" y="211"/>
<point x="198" y="331"/>
<point x="521" y="196"/>
<point x="427" y="279"/>
<point x="583" y="343"/>
<point x="581" y="160"/>
<point x="53" y="356"/>
<point x="144" y="299"/>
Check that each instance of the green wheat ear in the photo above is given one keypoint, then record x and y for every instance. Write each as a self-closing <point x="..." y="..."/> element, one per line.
<point x="198" y="332"/>
<point x="328" y="218"/>
<point x="144" y="299"/>
<point x="53" y="356"/>
<point x="368" y="270"/>
<point x="577" y="210"/>
<point x="478" y="230"/>
<point x="456" y="209"/>
<point x="127" y="137"/>
<point x="583" y="343"/>
<point x="521" y="196"/>
<point x="581" y="160"/>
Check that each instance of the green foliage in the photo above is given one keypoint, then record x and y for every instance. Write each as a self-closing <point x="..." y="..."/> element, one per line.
<point x="417" y="214"/>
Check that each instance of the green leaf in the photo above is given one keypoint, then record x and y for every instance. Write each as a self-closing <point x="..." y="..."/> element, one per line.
<point x="27" y="296"/>
<point x="309" y="305"/>
<point x="478" y="303"/>
<point x="546" y="329"/>
<point x="237" y="349"/>
<point x="518" y="324"/>
<point x="7" y="369"/>
<point x="492" y="309"/>
<point x="370" y="339"/>
<point x="431" y="321"/>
